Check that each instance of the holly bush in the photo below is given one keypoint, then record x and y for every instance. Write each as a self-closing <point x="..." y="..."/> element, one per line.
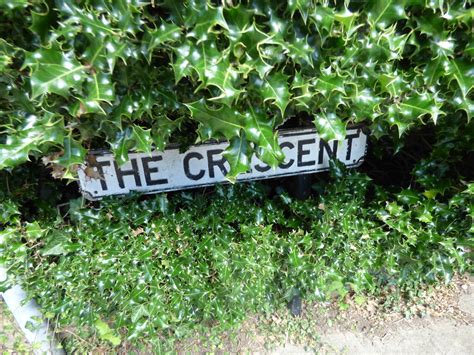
<point x="157" y="269"/>
<point x="130" y="75"/>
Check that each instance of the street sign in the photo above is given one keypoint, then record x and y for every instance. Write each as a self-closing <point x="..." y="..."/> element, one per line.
<point x="204" y="165"/>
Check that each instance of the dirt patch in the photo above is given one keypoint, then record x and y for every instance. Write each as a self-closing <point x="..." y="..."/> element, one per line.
<point x="440" y="320"/>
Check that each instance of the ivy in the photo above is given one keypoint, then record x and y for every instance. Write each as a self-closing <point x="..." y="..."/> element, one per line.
<point x="130" y="75"/>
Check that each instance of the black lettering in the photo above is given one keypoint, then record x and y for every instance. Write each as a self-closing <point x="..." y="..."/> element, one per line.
<point x="262" y="169"/>
<point x="349" y="138"/>
<point x="212" y="163"/>
<point x="323" y="146"/>
<point x="291" y="161"/>
<point x="302" y="152"/>
<point x="100" y="170"/>
<point x="134" y="171"/>
<point x="187" y="172"/>
<point x="148" y="171"/>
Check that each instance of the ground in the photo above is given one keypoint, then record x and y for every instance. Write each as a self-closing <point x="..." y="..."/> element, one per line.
<point x="444" y="325"/>
<point x="438" y="321"/>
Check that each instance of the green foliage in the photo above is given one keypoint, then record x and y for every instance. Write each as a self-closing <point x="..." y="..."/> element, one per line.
<point x="162" y="267"/>
<point x="76" y="74"/>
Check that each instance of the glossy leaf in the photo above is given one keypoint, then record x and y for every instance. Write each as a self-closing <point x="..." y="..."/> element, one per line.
<point x="53" y="71"/>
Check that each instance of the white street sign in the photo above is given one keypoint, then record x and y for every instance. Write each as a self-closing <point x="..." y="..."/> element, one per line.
<point x="203" y="164"/>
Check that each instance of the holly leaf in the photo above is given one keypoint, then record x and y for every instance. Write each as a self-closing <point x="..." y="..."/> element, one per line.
<point x="41" y="24"/>
<point x="103" y="54"/>
<point x="434" y="70"/>
<point x="365" y="105"/>
<point x="298" y="49"/>
<point x="249" y="42"/>
<point x="430" y="23"/>
<point x="238" y="154"/>
<point x="301" y="91"/>
<point x="54" y="71"/>
<point x="34" y="133"/>
<point x="463" y="72"/>
<point x="56" y="246"/>
<point x="214" y="69"/>
<point x="223" y="122"/>
<point x="420" y="105"/>
<point x="166" y="33"/>
<point x="328" y="82"/>
<point x="323" y="17"/>
<point x="394" y="84"/>
<point x="162" y="129"/>
<point x="404" y="113"/>
<point x="73" y="154"/>
<point x="121" y="144"/>
<point x="203" y="18"/>
<point x="259" y="130"/>
<point x="275" y="89"/>
<point x="329" y="126"/>
<point x="99" y="89"/>
<point x="302" y="6"/>
<point x="383" y="13"/>
<point x="142" y="138"/>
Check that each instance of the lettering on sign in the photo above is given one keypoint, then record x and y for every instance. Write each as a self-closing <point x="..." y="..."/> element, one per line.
<point x="203" y="164"/>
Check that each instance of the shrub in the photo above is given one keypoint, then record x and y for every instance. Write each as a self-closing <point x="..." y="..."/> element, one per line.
<point x="78" y="74"/>
<point x="163" y="267"/>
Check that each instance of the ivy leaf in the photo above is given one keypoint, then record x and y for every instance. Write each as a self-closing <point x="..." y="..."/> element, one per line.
<point x="223" y="122"/>
<point x="383" y="13"/>
<point x="275" y="88"/>
<point x="142" y="138"/>
<point x="259" y="129"/>
<point x="238" y="154"/>
<point x="329" y="126"/>
<point x="54" y="71"/>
